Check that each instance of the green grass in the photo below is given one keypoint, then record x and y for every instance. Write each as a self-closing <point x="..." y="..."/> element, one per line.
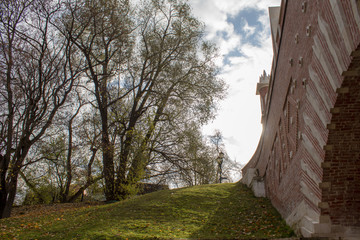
<point x="217" y="211"/>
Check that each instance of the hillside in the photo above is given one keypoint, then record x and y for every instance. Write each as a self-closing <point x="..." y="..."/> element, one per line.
<point x="217" y="211"/>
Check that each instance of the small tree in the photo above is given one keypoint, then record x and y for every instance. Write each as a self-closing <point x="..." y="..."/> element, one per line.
<point x="218" y="142"/>
<point x="67" y="156"/>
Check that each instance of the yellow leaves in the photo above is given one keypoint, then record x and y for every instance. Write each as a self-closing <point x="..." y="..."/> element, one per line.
<point x="3" y="233"/>
<point x="184" y="215"/>
<point x="33" y="226"/>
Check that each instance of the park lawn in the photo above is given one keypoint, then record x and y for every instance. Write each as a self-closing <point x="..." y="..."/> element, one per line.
<point x="218" y="211"/>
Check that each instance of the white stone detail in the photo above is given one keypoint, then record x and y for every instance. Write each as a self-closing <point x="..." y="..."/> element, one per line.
<point x="248" y="177"/>
<point x="319" y="53"/>
<point x="253" y="181"/>
<point x="314" y="131"/>
<point x="309" y="193"/>
<point x="311" y="150"/>
<point x="320" y="88"/>
<point x="308" y="30"/>
<point x="303" y="7"/>
<point x="310" y="95"/>
<point x="343" y="27"/>
<point x="334" y="50"/>
<point x="258" y="188"/>
<point x="322" y="228"/>
<point x="355" y="12"/>
<point x="307" y="226"/>
<point x="302" y="219"/>
<point x="310" y="172"/>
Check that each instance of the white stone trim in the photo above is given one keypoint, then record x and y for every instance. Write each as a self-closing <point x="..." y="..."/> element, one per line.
<point x="310" y="95"/>
<point x="343" y="27"/>
<point x="355" y="12"/>
<point x="334" y="50"/>
<point x="315" y="132"/>
<point x="302" y="219"/>
<point x="319" y="53"/>
<point x="305" y="189"/>
<point x="253" y="181"/>
<point x="310" y="172"/>
<point x="311" y="150"/>
<point x="320" y="88"/>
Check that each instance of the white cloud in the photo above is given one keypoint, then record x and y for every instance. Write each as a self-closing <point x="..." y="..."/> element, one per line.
<point x="239" y="116"/>
<point x="248" y="29"/>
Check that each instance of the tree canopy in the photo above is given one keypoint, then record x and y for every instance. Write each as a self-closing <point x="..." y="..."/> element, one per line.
<point x="104" y="92"/>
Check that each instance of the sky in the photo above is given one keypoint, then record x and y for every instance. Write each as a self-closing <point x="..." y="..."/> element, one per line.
<point x="241" y="30"/>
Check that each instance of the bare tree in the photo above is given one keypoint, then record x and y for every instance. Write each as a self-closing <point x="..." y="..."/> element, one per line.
<point x="37" y="72"/>
<point x="67" y="155"/>
<point x="185" y="155"/>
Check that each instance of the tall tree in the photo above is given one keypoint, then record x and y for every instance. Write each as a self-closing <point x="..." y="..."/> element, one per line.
<point x="169" y="65"/>
<point x="172" y="70"/>
<point x="146" y="84"/>
<point x="37" y="72"/>
<point x="101" y="31"/>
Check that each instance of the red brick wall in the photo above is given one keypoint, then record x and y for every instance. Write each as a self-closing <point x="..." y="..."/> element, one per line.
<point x="342" y="159"/>
<point x="314" y="49"/>
<point x="284" y="123"/>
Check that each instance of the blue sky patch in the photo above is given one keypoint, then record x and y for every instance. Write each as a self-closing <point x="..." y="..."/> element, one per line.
<point x="248" y="16"/>
<point x="233" y="53"/>
<point x="222" y="34"/>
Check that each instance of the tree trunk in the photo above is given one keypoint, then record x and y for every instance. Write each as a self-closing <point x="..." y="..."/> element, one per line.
<point x="108" y="150"/>
<point x="83" y="188"/>
<point x="89" y="179"/>
<point x="65" y="194"/>
<point x="8" y="196"/>
<point x="121" y="180"/>
<point x="5" y="208"/>
<point x="108" y="172"/>
<point x="138" y="165"/>
<point x="11" y="195"/>
<point x="3" y="191"/>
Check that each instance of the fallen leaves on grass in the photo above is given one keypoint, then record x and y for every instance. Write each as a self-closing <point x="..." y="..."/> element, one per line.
<point x="41" y="209"/>
<point x="221" y="210"/>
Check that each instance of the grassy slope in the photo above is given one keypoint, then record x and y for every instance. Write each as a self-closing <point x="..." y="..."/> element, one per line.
<point x="208" y="211"/>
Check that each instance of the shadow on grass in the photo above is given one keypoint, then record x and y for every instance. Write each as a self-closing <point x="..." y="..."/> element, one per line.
<point x="225" y="211"/>
<point x="243" y="216"/>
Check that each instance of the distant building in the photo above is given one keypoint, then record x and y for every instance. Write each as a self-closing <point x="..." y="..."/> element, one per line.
<point x="308" y="158"/>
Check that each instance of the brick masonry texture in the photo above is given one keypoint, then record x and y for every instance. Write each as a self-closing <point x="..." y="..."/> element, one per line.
<point x="309" y="152"/>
